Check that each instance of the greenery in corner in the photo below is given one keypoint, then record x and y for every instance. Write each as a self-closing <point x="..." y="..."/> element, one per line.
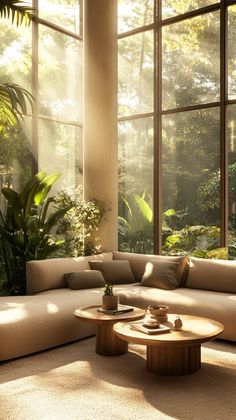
<point x="26" y="229"/>
<point x="79" y="225"/>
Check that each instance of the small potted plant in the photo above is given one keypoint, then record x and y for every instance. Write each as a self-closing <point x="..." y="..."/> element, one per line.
<point x="109" y="300"/>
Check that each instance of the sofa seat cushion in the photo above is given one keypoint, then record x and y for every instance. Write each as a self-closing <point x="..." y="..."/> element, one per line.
<point x="138" y="263"/>
<point x="187" y="301"/>
<point x="30" y="324"/>
<point x="161" y="274"/>
<point x="33" y="323"/>
<point x="217" y="275"/>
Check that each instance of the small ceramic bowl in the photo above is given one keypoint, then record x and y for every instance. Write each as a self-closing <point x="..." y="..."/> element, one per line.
<point x="157" y="310"/>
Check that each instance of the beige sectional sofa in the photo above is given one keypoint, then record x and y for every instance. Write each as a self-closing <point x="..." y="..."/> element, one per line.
<point x="44" y="318"/>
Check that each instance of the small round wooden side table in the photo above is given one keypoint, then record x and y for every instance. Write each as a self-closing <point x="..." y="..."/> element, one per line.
<point x="107" y="342"/>
<point x="174" y="352"/>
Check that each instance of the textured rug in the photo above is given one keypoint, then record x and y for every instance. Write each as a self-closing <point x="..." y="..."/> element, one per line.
<point x="73" y="382"/>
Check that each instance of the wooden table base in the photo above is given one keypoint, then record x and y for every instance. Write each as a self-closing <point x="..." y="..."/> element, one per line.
<point x="107" y="343"/>
<point x="173" y="360"/>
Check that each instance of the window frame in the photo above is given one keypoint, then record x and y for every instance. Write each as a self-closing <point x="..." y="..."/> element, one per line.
<point x="158" y="112"/>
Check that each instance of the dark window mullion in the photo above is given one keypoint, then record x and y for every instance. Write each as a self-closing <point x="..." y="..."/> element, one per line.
<point x="35" y="89"/>
<point x="57" y="28"/>
<point x="135" y="116"/>
<point x="191" y="14"/>
<point x="223" y="140"/>
<point x="190" y="108"/>
<point x="157" y="206"/>
<point x="135" y="31"/>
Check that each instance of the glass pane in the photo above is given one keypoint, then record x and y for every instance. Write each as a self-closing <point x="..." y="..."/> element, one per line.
<point x="60" y="75"/>
<point x="191" y="188"/>
<point x="135" y="88"/>
<point x="172" y="8"/>
<point x="15" y="67"/>
<point x="191" y="61"/>
<point x="16" y="160"/>
<point x="15" y="54"/>
<point x="232" y="52"/>
<point x="134" y="14"/>
<point x="136" y="185"/>
<point x="231" y="139"/>
<point x="60" y="150"/>
<point x="64" y="13"/>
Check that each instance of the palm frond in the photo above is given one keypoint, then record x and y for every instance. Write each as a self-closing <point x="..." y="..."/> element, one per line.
<point x="13" y="103"/>
<point x="19" y="11"/>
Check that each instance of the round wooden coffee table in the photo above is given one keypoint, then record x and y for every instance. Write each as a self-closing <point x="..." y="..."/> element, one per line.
<point x="108" y="343"/>
<point x="174" y="352"/>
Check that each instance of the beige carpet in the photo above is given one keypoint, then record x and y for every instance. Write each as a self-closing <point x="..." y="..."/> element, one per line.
<point x="73" y="382"/>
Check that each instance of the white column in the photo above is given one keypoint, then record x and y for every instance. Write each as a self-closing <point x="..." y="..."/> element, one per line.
<point x="100" y="112"/>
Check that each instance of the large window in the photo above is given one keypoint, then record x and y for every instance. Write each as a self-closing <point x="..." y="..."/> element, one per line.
<point x="177" y="127"/>
<point x="46" y="59"/>
<point x="136" y="125"/>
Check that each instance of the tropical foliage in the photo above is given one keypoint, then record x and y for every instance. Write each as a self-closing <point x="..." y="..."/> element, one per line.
<point x="80" y="224"/>
<point x="13" y="103"/>
<point x="26" y="229"/>
<point x="14" y="98"/>
<point x="135" y="228"/>
<point x="16" y="10"/>
<point x="135" y="232"/>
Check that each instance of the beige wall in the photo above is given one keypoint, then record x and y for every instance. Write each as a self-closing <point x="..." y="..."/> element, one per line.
<point x="100" y="112"/>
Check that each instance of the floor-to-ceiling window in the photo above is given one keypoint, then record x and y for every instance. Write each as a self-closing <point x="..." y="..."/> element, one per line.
<point x="136" y="124"/>
<point x="46" y="59"/>
<point x="176" y="175"/>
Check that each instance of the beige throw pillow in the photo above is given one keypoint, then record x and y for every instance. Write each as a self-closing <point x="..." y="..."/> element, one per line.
<point x="84" y="279"/>
<point x="138" y="263"/>
<point x="161" y="274"/>
<point x="216" y="275"/>
<point x="114" y="272"/>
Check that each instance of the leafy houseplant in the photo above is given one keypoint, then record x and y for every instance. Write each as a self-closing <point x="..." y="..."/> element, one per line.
<point x="109" y="300"/>
<point x="79" y="225"/>
<point x="25" y="229"/>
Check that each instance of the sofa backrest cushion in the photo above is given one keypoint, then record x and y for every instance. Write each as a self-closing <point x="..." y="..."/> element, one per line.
<point x="49" y="274"/>
<point x="84" y="279"/>
<point x="138" y="263"/>
<point x="216" y="275"/>
<point x="161" y="274"/>
<point x="114" y="272"/>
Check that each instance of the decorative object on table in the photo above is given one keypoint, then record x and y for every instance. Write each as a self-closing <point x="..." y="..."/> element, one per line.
<point x="109" y="300"/>
<point x="150" y="322"/>
<point x="121" y="309"/>
<point x="158" y="312"/>
<point x="178" y="323"/>
<point x="146" y="329"/>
